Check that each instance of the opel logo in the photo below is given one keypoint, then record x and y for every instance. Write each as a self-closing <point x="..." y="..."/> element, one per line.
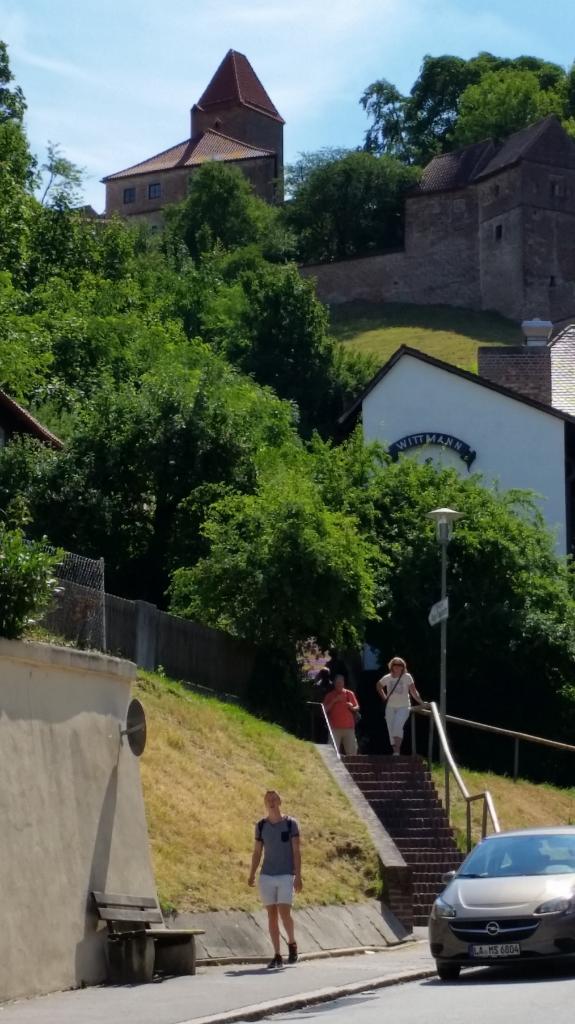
<point x="492" y="928"/>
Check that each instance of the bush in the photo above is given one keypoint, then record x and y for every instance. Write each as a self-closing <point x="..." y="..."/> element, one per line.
<point x="26" y="580"/>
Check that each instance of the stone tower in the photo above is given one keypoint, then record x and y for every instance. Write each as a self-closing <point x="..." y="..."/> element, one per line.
<point x="236" y="104"/>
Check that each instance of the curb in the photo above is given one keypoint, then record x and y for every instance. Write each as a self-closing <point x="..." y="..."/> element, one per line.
<point x="320" y="954"/>
<point x="323" y="995"/>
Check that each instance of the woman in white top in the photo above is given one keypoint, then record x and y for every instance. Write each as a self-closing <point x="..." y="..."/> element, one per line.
<point x="395" y="689"/>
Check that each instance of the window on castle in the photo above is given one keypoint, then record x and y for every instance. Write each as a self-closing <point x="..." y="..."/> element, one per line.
<point x="154" y="191"/>
<point x="498" y="232"/>
<point x="129" y="195"/>
<point x="496" y="190"/>
<point x="552" y="281"/>
<point x="557" y="189"/>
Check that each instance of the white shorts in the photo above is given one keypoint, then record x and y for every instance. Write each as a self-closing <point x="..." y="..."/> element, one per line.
<point x="276" y="889"/>
<point x="396" y="719"/>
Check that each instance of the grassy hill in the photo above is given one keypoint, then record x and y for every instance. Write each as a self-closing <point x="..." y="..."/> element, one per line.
<point x="518" y="804"/>
<point x="441" y="331"/>
<point x="204" y="771"/>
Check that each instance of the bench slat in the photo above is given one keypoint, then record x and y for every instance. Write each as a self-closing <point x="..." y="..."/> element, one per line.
<point x="117" y="900"/>
<point x="175" y="931"/>
<point x="160" y="933"/>
<point x="121" y="914"/>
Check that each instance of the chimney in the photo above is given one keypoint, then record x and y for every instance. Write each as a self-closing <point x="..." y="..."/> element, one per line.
<point x="523" y="368"/>
<point x="536" y="333"/>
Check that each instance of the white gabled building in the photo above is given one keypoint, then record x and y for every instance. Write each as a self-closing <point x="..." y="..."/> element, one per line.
<point x="421" y="407"/>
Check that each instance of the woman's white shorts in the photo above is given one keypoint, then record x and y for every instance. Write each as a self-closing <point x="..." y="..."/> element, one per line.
<point x="276" y="889"/>
<point x="396" y="719"/>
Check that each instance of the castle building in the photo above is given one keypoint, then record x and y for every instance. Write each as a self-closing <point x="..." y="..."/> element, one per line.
<point x="491" y="226"/>
<point x="234" y="122"/>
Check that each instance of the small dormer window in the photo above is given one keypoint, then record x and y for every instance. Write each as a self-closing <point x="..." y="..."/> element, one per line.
<point x="217" y="125"/>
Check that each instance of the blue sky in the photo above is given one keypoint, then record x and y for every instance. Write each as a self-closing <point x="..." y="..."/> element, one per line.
<point x="112" y="81"/>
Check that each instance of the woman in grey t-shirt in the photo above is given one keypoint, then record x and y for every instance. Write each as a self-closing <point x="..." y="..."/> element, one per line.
<point x="277" y="837"/>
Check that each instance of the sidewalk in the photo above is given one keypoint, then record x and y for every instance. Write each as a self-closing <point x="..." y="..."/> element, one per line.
<point x="231" y="993"/>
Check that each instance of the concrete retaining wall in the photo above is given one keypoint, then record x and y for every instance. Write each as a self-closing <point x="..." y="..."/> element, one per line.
<point x="71" y="812"/>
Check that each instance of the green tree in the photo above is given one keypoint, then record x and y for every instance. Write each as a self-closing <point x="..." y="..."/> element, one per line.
<point x="136" y="452"/>
<point x="17" y="169"/>
<point x="350" y="206"/>
<point x="512" y="612"/>
<point x="418" y="126"/>
<point x="61" y="180"/>
<point x="503" y="102"/>
<point x="222" y="209"/>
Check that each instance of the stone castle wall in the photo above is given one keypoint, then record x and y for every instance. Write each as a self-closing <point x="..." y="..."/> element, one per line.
<point x="505" y="244"/>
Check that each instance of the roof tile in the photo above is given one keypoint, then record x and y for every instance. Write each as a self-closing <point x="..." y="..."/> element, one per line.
<point x="210" y="145"/>
<point x="236" y="81"/>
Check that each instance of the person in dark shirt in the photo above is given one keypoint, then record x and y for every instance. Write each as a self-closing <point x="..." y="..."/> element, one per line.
<point x="277" y="837"/>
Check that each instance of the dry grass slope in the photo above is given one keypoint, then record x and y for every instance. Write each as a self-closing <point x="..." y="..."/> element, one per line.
<point x="204" y="771"/>
<point x="441" y="331"/>
<point x="518" y="804"/>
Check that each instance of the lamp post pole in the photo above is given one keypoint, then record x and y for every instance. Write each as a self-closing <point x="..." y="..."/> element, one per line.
<point x="443" y="540"/>
<point x="444" y="519"/>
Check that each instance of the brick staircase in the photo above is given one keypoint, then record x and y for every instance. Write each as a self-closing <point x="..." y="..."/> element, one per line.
<point x="401" y="792"/>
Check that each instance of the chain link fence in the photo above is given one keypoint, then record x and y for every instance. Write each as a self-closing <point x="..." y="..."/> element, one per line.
<point x="78" y="612"/>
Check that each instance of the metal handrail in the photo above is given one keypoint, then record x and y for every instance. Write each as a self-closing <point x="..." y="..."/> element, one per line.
<point x="524" y="737"/>
<point x="485" y="796"/>
<point x="319" y="703"/>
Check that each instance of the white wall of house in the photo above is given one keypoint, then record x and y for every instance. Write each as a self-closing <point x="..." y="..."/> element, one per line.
<point x="516" y="445"/>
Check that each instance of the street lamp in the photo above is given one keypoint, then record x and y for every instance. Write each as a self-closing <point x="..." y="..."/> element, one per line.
<point x="444" y="519"/>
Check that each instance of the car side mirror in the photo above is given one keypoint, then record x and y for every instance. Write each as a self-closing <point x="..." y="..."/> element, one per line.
<point x="448" y="876"/>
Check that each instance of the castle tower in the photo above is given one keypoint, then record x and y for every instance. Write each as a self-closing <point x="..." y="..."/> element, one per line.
<point x="236" y="104"/>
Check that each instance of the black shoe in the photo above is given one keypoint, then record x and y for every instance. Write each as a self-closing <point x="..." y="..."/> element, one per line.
<point x="276" y="961"/>
<point x="292" y="952"/>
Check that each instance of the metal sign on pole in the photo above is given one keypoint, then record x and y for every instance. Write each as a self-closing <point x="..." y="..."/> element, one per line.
<point x="439" y="611"/>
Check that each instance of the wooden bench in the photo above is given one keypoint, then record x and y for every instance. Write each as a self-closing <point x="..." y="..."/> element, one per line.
<point x="139" y="944"/>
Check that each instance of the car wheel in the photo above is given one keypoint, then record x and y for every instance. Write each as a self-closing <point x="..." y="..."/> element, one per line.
<point x="448" y="972"/>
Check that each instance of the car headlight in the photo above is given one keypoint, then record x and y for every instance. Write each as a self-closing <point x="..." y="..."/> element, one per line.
<point x="442" y="909"/>
<point x="559" y="905"/>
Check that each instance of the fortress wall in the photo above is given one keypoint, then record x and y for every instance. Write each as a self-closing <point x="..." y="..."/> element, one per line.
<point x="397" y="277"/>
<point x="71" y="811"/>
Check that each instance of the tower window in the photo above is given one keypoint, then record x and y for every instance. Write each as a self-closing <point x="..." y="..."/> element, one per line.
<point x="129" y="195"/>
<point x="552" y="281"/>
<point x="154" y="191"/>
<point x="498" y="232"/>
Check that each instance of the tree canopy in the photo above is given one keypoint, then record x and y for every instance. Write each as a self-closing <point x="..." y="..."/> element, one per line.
<point x="437" y="115"/>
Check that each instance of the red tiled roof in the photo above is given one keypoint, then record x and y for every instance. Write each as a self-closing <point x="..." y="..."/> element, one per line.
<point x="235" y="81"/>
<point x="25" y="423"/>
<point x="210" y="145"/>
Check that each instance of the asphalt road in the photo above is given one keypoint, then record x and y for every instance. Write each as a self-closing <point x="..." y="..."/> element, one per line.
<point x="481" y="996"/>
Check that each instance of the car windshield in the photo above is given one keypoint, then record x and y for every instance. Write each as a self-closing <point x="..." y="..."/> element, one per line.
<point x="507" y="856"/>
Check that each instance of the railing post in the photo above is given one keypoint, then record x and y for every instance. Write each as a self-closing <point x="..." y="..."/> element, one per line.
<point x="484" y="821"/>
<point x="430" y="736"/>
<point x="468" y="810"/>
<point x="516" y="758"/>
<point x="413" y="741"/>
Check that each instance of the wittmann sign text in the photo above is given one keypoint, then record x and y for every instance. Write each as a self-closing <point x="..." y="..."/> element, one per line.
<point x="433" y="437"/>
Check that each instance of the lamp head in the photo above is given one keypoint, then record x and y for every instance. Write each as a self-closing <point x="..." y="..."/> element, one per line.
<point x="444" y="519"/>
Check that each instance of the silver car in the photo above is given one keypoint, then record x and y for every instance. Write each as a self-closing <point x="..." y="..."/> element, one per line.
<point x="512" y="900"/>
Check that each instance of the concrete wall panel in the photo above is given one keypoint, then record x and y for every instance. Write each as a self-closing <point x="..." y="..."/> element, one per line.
<point x="71" y="812"/>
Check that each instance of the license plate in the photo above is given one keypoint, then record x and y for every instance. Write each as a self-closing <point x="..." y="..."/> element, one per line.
<point x="496" y="949"/>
